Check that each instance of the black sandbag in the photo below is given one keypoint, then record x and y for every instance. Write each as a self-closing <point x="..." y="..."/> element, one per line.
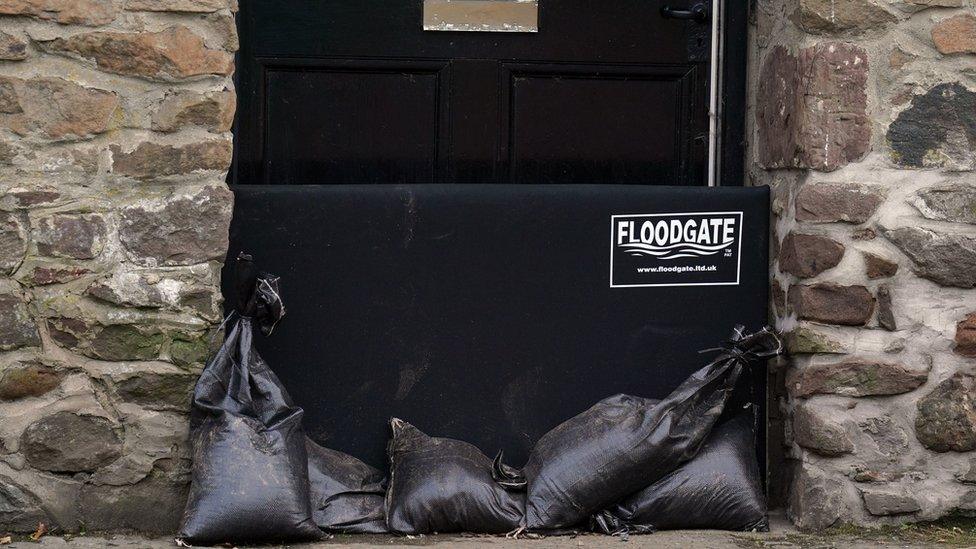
<point x="718" y="489"/>
<point x="444" y="485"/>
<point x="347" y="495"/>
<point x="616" y="447"/>
<point x="250" y="471"/>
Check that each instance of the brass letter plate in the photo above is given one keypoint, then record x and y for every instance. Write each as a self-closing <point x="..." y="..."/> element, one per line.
<point x="481" y="15"/>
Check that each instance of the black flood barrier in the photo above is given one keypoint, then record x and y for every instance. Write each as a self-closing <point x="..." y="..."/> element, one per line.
<point x="492" y="313"/>
<point x="250" y="471"/>
<point x="623" y="442"/>
<point x="444" y="485"/>
<point x="347" y="495"/>
<point x="718" y="489"/>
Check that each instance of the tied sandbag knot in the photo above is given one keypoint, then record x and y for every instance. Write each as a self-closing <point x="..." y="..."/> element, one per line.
<point x="258" y="295"/>
<point x="747" y="349"/>
<point x="506" y="476"/>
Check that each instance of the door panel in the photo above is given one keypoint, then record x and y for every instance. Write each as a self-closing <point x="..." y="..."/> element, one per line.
<point x="350" y="91"/>
<point x="597" y="124"/>
<point x="340" y="121"/>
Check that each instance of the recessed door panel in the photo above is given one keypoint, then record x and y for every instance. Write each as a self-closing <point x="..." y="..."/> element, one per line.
<point x="341" y="125"/>
<point x="624" y="127"/>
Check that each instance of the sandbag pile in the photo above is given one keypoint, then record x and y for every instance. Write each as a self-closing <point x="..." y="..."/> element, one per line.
<point x="718" y="489"/>
<point x="627" y="464"/>
<point x="624" y="443"/>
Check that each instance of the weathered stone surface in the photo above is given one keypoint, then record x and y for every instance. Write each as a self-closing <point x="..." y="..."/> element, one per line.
<point x="936" y="130"/>
<point x="856" y="377"/>
<point x="821" y="430"/>
<point x="967" y="505"/>
<point x="175" y="53"/>
<point x="126" y="342"/>
<point x="955" y="203"/>
<point x="69" y="443"/>
<point x="891" y="440"/>
<point x="17" y="329"/>
<point x="968" y="475"/>
<point x="12" y="48"/>
<point x="832" y="304"/>
<point x="226" y="28"/>
<point x="813" y="112"/>
<point x="867" y="473"/>
<point x="946" y="419"/>
<point x="947" y="259"/>
<point x="828" y="16"/>
<point x="895" y="346"/>
<point x="833" y="202"/>
<point x="113" y="342"/>
<point x="186" y="352"/>
<point x="816" y="498"/>
<point x="8" y="152"/>
<point x="886" y="315"/>
<point x="43" y="274"/>
<point x="864" y="233"/>
<point x="185" y="228"/>
<point x="9" y="102"/>
<point x="807" y="255"/>
<point x="194" y="290"/>
<point x="28" y="380"/>
<point x="956" y="34"/>
<point x="69" y="332"/>
<point x="876" y="266"/>
<point x="29" y="197"/>
<point x="803" y="340"/>
<point x="882" y="502"/>
<point x="20" y="510"/>
<point x="912" y="6"/>
<point x="153" y="439"/>
<point x="154" y="390"/>
<point x="150" y="160"/>
<point x="966" y="336"/>
<point x="13" y="242"/>
<point x="898" y="58"/>
<point x="777" y="298"/>
<point x="211" y="110"/>
<point x="76" y="236"/>
<point x="192" y="6"/>
<point x="153" y="505"/>
<point x="55" y="109"/>
<point x="73" y="12"/>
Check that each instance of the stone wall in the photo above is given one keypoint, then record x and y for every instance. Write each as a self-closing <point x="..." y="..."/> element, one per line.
<point x="864" y="125"/>
<point x="114" y="145"/>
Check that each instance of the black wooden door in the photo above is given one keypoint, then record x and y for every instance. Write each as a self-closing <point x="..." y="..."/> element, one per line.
<point x="355" y="91"/>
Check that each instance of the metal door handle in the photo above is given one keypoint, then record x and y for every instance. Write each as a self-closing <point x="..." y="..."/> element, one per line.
<point x="698" y="13"/>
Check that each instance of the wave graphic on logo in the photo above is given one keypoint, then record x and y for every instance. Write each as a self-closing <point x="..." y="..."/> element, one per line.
<point x="674" y="251"/>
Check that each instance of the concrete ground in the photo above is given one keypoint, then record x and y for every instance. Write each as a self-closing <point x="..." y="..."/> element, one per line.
<point x="781" y="536"/>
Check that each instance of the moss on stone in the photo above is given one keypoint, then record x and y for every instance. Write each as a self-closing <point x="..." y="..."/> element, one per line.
<point x="127" y="342"/>
<point x="168" y="390"/>
<point x="186" y="352"/>
<point x="805" y="341"/>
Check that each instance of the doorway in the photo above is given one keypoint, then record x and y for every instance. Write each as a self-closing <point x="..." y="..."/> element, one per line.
<point x="352" y="92"/>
